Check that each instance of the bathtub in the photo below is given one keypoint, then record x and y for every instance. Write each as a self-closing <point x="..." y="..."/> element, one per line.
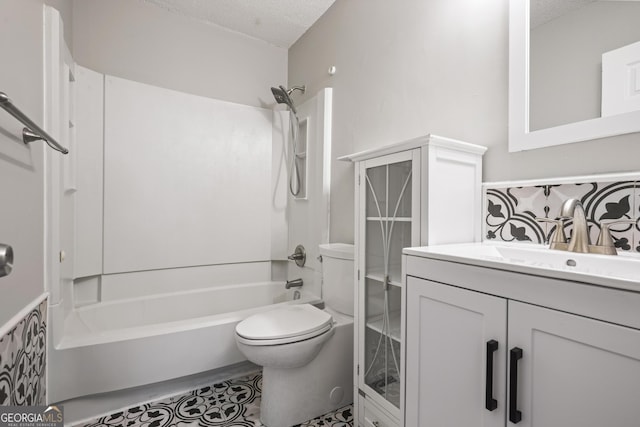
<point x="127" y="343"/>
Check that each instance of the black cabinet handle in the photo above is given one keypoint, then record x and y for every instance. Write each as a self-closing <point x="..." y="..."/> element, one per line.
<point x="514" y="355"/>
<point x="489" y="402"/>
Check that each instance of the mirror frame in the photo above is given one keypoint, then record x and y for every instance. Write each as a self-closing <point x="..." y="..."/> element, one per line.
<point x="520" y="137"/>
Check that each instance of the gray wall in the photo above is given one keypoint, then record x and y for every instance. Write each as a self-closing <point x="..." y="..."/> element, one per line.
<point x="22" y="168"/>
<point x="440" y="66"/>
<point x="142" y="42"/>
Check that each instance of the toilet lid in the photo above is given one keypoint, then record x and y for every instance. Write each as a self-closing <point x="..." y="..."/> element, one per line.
<point x="293" y="321"/>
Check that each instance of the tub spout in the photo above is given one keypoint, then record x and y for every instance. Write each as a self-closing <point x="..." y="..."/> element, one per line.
<point x="296" y="283"/>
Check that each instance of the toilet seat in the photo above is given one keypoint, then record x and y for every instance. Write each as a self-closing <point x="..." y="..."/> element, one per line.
<point x="284" y="325"/>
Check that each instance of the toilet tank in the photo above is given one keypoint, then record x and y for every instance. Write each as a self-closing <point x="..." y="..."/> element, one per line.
<point x="337" y="276"/>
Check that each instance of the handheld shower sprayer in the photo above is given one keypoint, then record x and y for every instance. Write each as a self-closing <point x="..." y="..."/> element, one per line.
<point x="283" y="96"/>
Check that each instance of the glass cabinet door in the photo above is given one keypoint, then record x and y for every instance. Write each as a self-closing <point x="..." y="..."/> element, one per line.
<point x="386" y="230"/>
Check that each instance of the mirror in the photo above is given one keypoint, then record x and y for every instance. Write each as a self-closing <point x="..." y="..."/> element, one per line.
<point x="570" y="77"/>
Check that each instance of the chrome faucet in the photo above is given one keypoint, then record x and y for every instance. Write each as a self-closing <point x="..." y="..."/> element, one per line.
<point x="580" y="240"/>
<point x="295" y="283"/>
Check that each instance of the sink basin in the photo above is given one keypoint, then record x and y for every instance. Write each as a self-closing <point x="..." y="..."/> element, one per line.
<point x="622" y="271"/>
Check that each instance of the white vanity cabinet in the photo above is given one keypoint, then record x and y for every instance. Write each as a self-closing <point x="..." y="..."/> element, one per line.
<point x="488" y="347"/>
<point x="423" y="191"/>
<point x="448" y="335"/>
<point x="575" y="370"/>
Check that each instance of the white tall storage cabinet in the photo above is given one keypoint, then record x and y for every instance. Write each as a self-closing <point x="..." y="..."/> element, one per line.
<point x="419" y="192"/>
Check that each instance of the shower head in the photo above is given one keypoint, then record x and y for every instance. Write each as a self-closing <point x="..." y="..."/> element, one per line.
<point x="282" y="95"/>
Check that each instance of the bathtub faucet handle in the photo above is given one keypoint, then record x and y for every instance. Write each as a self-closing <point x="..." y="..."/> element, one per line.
<point x="295" y="283"/>
<point x="299" y="256"/>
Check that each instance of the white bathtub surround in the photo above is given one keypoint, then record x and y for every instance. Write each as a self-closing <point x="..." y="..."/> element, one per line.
<point x="139" y="284"/>
<point x="133" y="287"/>
<point x="308" y="213"/>
<point x="183" y="173"/>
<point x="178" y="216"/>
<point x="127" y="343"/>
<point x="229" y="403"/>
<point x="510" y="208"/>
<point x="180" y="211"/>
<point x="172" y="180"/>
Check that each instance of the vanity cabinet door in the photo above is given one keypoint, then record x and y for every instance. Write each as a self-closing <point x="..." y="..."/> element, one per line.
<point x="574" y="371"/>
<point x="451" y="334"/>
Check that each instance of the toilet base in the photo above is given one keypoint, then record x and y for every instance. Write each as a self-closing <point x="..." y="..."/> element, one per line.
<point x="292" y="396"/>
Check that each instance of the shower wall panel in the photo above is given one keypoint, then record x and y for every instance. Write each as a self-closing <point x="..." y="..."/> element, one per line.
<point x="308" y="216"/>
<point x="187" y="179"/>
<point x="89" y="172"/>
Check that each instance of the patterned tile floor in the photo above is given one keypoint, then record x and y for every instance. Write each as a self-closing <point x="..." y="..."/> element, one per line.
<point x="227" y="404"/>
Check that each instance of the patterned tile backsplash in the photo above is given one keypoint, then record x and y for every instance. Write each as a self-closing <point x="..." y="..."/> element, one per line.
<point x="511" y="210"/>
<point x="22" y="360"/>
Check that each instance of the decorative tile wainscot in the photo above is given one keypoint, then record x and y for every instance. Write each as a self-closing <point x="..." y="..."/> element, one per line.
<point x="23" y="358"/>
<point x="511" y="208"/>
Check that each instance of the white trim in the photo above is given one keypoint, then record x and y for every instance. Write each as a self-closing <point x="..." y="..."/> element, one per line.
<point x="326" y="98"/>
<point x="520" y="136"/>
<point x="440" y="141"/>
<point x="18" y="317"/>
<point x="610" y="177"/>
<point x="358" y="401"/>
<point x="410" y="144"/>
<point x="53" y="43"/>
<point x="388" y="159"/>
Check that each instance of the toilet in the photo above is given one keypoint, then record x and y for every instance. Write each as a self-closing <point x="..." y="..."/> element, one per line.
<point x="306" y="353"/>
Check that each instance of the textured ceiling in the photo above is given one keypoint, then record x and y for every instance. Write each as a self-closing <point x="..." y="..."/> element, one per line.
<point x="279" y="22"/>
<point x="543" y="11"/>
